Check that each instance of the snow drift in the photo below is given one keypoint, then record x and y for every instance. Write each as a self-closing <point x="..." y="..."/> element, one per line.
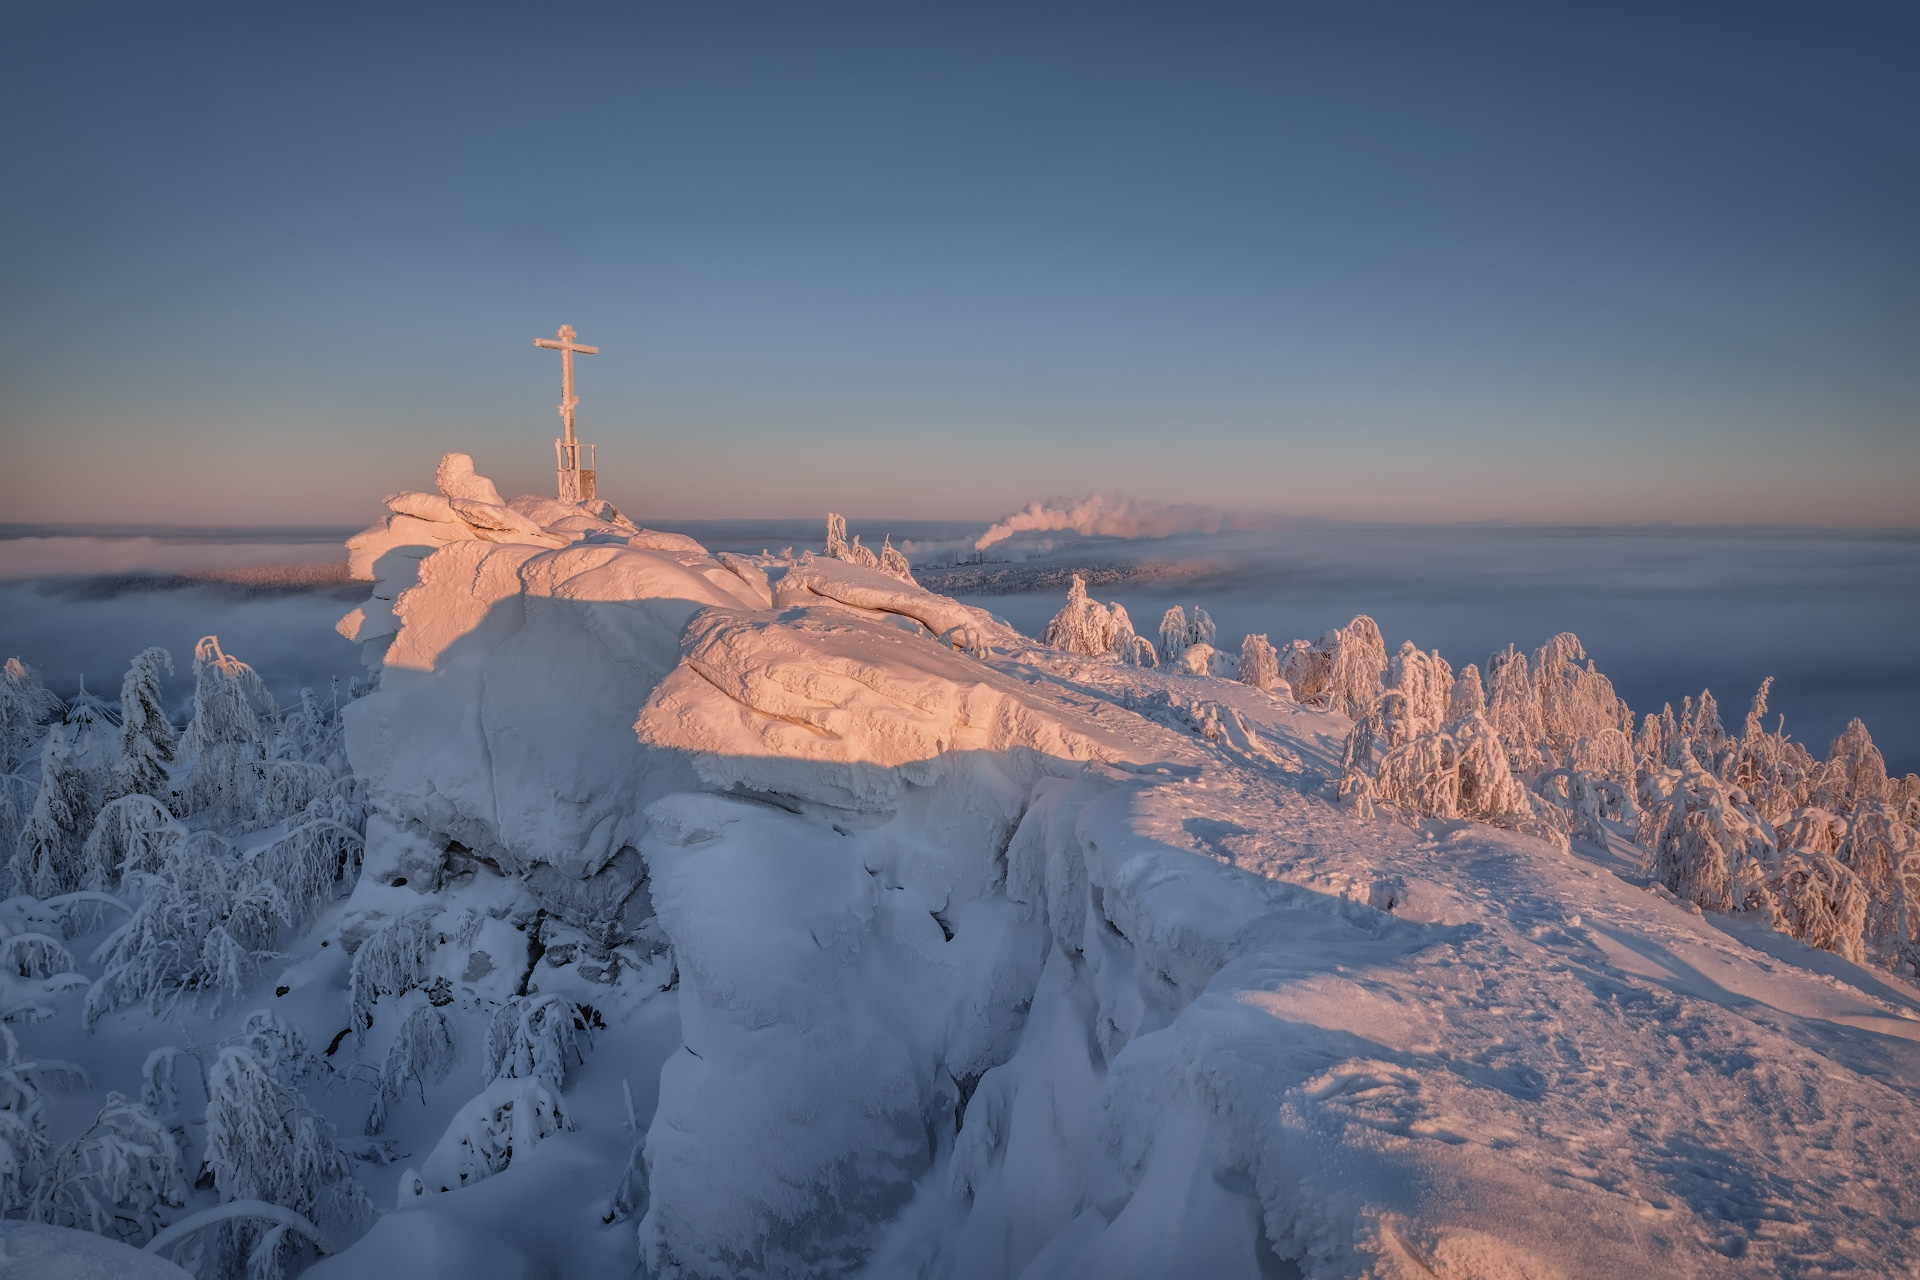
<point x="653" y="911"/>
<point x="987" y="963"/>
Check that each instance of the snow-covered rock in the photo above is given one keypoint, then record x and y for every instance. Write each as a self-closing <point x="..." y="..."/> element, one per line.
<point x="993" y="961"/>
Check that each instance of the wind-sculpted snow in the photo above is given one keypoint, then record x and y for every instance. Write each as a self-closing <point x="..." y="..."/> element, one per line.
<point x="774" y="916"/>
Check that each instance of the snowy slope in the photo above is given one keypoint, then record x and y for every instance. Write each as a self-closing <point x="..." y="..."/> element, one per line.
<point x="778" y="917"/>
<point x="1000" y="967"/>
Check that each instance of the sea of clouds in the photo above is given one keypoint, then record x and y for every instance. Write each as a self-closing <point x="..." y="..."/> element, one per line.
<point x="1664" y="611"/>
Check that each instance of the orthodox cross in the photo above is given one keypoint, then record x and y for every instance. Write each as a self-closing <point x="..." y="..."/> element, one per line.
<point x="576" y="482"/>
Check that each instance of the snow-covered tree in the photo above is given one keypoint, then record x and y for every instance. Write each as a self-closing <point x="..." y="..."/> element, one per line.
<point x="115" y="1178"/>
<point x="1487" y="791"/>
<point x="892" y="563"/>
<point x="1513" y="709"/>
<point x="1708" y="845"/>
<point x="197" y="932"/>
<point x="1200" y="628"/>
<point x="263" y="1142"/>
<point x="279" y="1045"/>
<point x="1259" y="663"/>
<point x="1469" y="696"/>
<point x="147" y="737"/>
<point x="322" y="846"/>
<point x="1083" y="626"/>
<point x="1853" y="773"/>
<point x="1821" y="902"/>
<point x="840" y="549"/>
<point x="1175" y="635"/>
<point x="1884" y="852"/>
<point x="509" y="1118"/>
<point x="1424" y="683"/>
<point x="160" y="1081"/>
<point x="48" y="855"/>
<point x="837" y="536"/>
<point x="25" y="707"/>
<point x="23" y="1138"/>
<point x="422" y="1052"/>
<point x="1776" y="773"/>
<point x="1132" y="650"/>
<point x="1341" y="670"/>
<point x="1578" y="704"/>
<point x="133" y="833"/>
<point x="234" y="718"/>
<point x="391" y="962"/>
<point x="531" y="1036"/>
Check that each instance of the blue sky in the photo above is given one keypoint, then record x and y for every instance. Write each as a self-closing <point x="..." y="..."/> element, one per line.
<point x="1383" y="262"/>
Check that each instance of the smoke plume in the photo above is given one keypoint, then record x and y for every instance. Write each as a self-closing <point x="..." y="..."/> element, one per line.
<point x="1111" y="515"/>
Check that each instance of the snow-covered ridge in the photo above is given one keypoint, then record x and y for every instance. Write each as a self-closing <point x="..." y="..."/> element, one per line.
<point x="987" y="964"/>
<point x="726" y="916"/>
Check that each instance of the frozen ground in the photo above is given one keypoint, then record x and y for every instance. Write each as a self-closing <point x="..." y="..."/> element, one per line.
<point x="903" y="946"/>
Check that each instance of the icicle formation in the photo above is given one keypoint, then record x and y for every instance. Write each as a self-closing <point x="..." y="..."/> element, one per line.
<point x="1341" y="670"/>
<point x="115" y="1178"/>
<point x="1260" y="664"/>
<point x="840" y="549"/>
<point x="147" y="737"/>
<point x="263" y="1142"/>
<point x="389" y="963"/>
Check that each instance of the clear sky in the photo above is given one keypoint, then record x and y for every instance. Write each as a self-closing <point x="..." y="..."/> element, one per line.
<point x="1524" y="262"/>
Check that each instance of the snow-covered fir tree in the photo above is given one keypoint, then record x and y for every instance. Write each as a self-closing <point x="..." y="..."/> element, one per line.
<point x="1707" y="844"/>
<point x="421" y="1053"/>
<point x="892" y="563"/>
<point x="1175" y="635"/>
<point x="114" y="1179"/>
<point x="1259" y="663"/>
<point x="200" y="930"/>
<point x="133" y="833"/>
<point x="1341" y="670"/>
<point x="225" y="745"/>
<point x="1200" y="628"/>
<point x="391" y="962"/>
<point x="26" y="706"/>
<point x="48" y="855"/>
<point x="264" y="1142"/>
<point x="531" y="1037"/>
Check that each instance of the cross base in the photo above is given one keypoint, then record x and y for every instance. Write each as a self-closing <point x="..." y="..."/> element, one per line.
<point x="576" y="481"/>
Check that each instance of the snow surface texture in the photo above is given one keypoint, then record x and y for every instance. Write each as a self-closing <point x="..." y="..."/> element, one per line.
<point x="772" y="916"/>
<point x="981" y="972"/>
